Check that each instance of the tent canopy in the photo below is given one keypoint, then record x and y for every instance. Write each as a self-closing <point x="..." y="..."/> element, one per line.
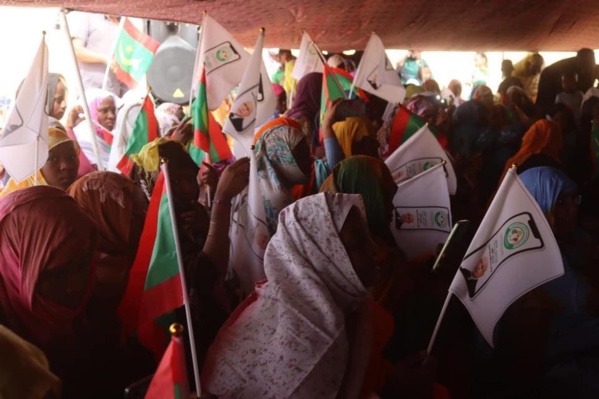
<point x="336" y="25"/>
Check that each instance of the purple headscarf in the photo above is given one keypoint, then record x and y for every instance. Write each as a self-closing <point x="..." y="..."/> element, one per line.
<point x="307" y="97"/>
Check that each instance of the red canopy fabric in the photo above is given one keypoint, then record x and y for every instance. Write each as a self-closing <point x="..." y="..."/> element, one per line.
<point x="346" y="24"/>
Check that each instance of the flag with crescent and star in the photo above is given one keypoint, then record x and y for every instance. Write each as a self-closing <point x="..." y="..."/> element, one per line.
<point x="134" y="53"/>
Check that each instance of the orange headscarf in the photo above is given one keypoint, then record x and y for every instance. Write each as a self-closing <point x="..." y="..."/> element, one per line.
<point x="543" y="137"/>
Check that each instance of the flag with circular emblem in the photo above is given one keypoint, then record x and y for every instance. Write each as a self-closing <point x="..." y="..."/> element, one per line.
<point x="134" y="52"/>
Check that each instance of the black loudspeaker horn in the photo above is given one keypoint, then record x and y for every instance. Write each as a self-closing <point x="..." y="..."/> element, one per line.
<point x="170" y="74"/>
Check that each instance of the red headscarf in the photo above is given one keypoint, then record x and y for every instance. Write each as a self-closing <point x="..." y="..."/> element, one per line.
<point x="41" y="228"/>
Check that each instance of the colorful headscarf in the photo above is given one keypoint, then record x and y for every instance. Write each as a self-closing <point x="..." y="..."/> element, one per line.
<point x="369" y="177"/>
<point x="166" y="114"/>
<point x="425" y="106"/>
<point x="306" y="103"/>
<point x="546" y="184"/>
<point x="352" y="130"/>
<point x="544" y="137"/>
<point x="278" y="171"/>
<point x="56" y="136"/>
<point x="292" y="342"/>
<point x="41" y="228"/>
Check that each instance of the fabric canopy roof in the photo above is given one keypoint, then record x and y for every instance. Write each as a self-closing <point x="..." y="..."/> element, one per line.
<point x="346" y="24"/>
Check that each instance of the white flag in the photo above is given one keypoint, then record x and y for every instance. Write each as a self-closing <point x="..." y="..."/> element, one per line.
<point x="417" y="154"/>
<point x="308" y="59"/>
<point x="422" y="213"/>
<point x="376" y="75"/>
<point x="26" y="130"/>
<point x="255" y="100"/>
<point x="249" y="234"/>
<point x="225" y="61"/>
<point x="512" y="252"/>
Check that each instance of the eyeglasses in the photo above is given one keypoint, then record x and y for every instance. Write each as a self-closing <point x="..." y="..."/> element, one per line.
<point x="569" y="200"/>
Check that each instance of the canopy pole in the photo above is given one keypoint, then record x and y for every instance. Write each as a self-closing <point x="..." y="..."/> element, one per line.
<point x="88" y="119"/>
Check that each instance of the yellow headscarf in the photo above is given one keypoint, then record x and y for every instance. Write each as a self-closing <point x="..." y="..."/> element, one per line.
<point x="351" y="130"/>
<point x="56" y="136"/>
<point x="24" y="371"/>
<point x="149" y="158"/>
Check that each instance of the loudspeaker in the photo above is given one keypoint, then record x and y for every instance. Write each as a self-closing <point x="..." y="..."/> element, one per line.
<point x="170" y="74"/>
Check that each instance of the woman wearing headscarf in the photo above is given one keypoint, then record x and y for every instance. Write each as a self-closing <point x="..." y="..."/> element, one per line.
<point x="301" y="335"/>
<point x="283" y="162"/>
<point x="60" y="170"/>
<point x="541" y="146"/>
<point x="46" y="274"/>
<point x="118" y="207"/>
<point x="548" y="340"/>
<point x="169" y="115"/>
<point x="56" y="100"/>
<point x="103" y="110"/>
<point x="306" y="106"/>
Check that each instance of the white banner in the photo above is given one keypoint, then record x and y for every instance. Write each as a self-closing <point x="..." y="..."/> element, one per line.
<point x="308" y="60"/>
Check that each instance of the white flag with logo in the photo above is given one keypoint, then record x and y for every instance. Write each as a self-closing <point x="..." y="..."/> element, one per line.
<point x="26" y="130"/>
<point x="249" y="234"/>
<point x="225" y="61"/>
<point x="376" y="75"/>
<point x="512" y="252"/>
<point x="417" y="154"/>
<point x="308" y="60"/>
<point x="254" y="103"/>
<point x="422" y="213"/>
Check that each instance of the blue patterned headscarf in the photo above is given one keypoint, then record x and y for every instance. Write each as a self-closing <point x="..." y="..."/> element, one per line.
<point x="545" y="184"/>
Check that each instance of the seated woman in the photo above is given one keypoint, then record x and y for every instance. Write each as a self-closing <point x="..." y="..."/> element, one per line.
<point x="46" y="274"/>
<point x="285" y="169"/>
<point x="548" y="341"/>
<point x="60" y="170"/>
<point x="118" y="207"/>
<point x="308" y="315"/>
<point x="103" y="110"/>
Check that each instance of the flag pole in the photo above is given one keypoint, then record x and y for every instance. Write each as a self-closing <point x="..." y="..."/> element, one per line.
<point x="171" y="208"/>
<point x="198" y="53"/>
<point x="437" y="326"/>
<point x="325" y="66"/>
<point x="79" y="82"/>
<point x="37" y="138"/>
<point x="107" y="72"/>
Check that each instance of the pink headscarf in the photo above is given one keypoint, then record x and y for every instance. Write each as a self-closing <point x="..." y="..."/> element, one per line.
<point x="292" y="342"/>
<point x="41" y="228"/>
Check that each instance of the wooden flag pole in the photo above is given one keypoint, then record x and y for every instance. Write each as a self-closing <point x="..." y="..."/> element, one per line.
<point x="192" y="343"/>
<point x="324" y="62"/>
<point x="81" y="88"/>
<point x="107" y="72"/>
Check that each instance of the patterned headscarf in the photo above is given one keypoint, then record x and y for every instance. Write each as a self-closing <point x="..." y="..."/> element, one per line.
<point x="278" y="171"/>
<point x="292" y="342"/>
<point x="166" y="114"/>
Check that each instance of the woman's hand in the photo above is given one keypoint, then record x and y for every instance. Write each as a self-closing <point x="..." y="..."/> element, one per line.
<point x="330" y="116"/>
<point x="183" y="132"/>
<point x="74" y="118"/>
<point x="209" y="177"/>
<point x="233" y="180"/>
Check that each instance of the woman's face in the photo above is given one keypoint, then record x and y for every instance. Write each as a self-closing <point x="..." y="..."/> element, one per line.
<point x="60" y="170"/>
<point x="107" y="113"/>
<point x="59" y="105"/>
<point x="365" y="256"/>
<point x="66" y="284"/>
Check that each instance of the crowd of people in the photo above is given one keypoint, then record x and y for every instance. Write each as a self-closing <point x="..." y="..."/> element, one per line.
<point x="342" y="312"/>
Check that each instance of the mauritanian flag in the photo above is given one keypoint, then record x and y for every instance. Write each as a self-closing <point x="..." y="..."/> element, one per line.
<point x="418" y="154"/>
<point x="134" y="52"/>
<point x="154" y="290"/>
<point x="208" y="135"/>
<point x="405" y="125"/>
<point x="595" y="149"/>
<point x="170" y="380"/>
<point x="422" y="213"/>
<point x="145" y="130"/>
<point x="336" y="83"/>
<point x="512" y="252"/>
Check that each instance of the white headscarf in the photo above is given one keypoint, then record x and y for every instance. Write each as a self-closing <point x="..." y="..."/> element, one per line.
<point x="292" y="341"/>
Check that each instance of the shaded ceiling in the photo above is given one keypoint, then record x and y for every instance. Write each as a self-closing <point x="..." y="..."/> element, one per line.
<point x="346" y="24"/>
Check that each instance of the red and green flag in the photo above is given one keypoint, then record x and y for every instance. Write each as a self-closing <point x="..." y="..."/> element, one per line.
<point x="154" y="290"/>
<point x="170" y="380"/>
<point x="208" y="135"/>
<point x="595" y="149"/>
<point x="405" y="124"/>
<point x="145" y="130"/>
<point x="134" y="52"/>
